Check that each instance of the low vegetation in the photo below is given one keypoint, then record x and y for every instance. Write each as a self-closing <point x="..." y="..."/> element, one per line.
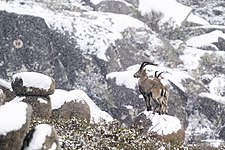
<point x="77" y="134"/>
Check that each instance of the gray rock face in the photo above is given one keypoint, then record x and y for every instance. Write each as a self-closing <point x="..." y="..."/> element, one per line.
<point x="23" y="37"/>
<point x="14" y="139"/>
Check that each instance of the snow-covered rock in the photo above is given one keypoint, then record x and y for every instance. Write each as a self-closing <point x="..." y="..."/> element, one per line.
<point x="33" y="83"/>
<point x="44" y="137"/>
<point x="97" y="115"/>
<point x="208" y="39"/>
<point x="6" y="93"/>
<point x="15" y="119"/>
<point x="61" y="96"/>
<point x="169" y="9"/>
<point x="78" y="104"/>
<point x="162" y="125"/>
<point x="66" y="105"/>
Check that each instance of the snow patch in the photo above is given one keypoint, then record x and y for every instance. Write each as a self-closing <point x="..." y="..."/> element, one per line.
<point x="126" y="77"/>
<point x="217" y="86"/>
<point x="41" y="100"/>
<point x="163" y="124"/>
<point x="34" y="79"/>
<point x="39" y="136"/>
<point x="205" y="39"/>
<point x="5" y="84"/>
<point x="169" y="8"/>
<point x="219" y="99"/>
<point x="198" y="20"/>
<point x="192" y="56"/>
<point x="12" y="116"/>
<point x="62" y="96"/>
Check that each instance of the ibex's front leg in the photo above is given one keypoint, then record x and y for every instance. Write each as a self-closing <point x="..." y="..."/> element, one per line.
<point x="157" y="108"/>
<point x="147" y="101"/>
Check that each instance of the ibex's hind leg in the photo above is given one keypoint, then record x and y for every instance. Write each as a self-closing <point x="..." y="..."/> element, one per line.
<point x="158" y="108"/>
<point x="147" y="101"/>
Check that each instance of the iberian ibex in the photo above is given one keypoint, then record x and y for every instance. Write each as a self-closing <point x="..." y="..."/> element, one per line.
<point x="149" y="88"/>
<point x="164" y="108"/>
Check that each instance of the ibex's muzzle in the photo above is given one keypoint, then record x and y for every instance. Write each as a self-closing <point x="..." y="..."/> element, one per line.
<point x="136" y="75"/>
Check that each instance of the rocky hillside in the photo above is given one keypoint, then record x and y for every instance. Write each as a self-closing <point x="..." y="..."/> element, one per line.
<point x="97" y="46"/>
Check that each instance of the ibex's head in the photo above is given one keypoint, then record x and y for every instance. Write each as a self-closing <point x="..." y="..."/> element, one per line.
<point x="156" y="77"/>
<point x="142" y="71"/>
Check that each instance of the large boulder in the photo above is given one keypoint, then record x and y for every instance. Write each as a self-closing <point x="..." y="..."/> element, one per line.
<point x="42" y="137"/>
<point x="76" y="103"/>
<point x="41" y="105"/>
<point x="66" y="105"/>
<point x="6" y="93"/>
<point x="33" y="84"/>
<point x="78" y="109"/>
<point x="165" y="127"/>
<point x="15" y="120"/>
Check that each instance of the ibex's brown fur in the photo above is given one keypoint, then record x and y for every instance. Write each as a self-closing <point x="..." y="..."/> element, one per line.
<point x="150" y="89"/>
<point x="164" y="108"/>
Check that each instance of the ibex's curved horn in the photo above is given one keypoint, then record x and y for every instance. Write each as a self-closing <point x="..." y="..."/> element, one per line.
<point x="156" y="73"/>
<point x="160" y="74"/>
<point x="146" y="63"/>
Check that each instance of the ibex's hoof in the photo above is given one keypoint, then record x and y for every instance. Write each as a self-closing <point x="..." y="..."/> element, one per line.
<point x="149" y="109"/>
